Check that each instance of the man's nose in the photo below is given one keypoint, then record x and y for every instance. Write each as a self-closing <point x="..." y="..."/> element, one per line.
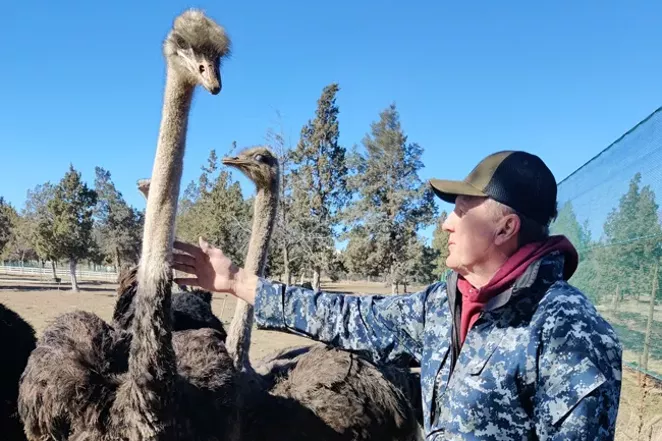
<point x="448" y="223"/>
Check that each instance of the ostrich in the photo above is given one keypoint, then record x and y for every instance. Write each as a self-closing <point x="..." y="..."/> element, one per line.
<point x="315" y="392"/>
<point x="88" y="380"/>
<point x="18" y="341"/>
<point x="190" y="309"/>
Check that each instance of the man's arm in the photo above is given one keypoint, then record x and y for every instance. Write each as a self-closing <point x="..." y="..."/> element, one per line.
<point x="386" y="328"/>
<point x="579" y="384"/>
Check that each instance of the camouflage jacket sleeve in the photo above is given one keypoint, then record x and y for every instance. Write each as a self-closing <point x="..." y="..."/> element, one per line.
<point x="579" y="381"/>
<point x="384" y="328"/>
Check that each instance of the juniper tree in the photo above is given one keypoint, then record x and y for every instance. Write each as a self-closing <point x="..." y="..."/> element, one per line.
<point x="120" y="226"/>
<point x="218" y="212"/>
<point x="287" y="240"/>
<point x="67" y="227"/>
<point x="319" y="183"/>
<point x="393" y="202"/>
<point x="7" y="215"/>
<point x="37" y="217"/>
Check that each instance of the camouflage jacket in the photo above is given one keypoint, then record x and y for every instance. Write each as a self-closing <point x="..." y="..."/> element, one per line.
<point x="539" y="364"/>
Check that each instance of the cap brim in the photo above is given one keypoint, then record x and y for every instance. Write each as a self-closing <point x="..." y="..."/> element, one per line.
<point x="447" y="191"/>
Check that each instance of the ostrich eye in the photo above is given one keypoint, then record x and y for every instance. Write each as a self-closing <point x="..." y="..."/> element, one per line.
<point x="259" y="158"/>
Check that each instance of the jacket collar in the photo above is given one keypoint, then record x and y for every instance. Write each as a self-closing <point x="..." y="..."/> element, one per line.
<point x="544" y="271"/>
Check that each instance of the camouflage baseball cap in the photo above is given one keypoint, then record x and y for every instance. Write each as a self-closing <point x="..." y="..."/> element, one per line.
<point x="517" y="179"/>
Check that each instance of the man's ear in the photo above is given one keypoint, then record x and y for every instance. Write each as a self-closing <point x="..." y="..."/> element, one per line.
<point x="508" y="228"/>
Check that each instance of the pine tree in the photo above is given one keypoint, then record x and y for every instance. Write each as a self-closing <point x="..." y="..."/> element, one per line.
<point x="7" y="215"/>
<point x="566" y="223"/>
<point x="632" y="238"/>
<point x="68" y="226"/>
<point x="218" y="213"/>
<point x="586" y="277"/>
<point x="393" y="202"/>
<point x="19" y="248"/>
<point x="319" y="183"/>
<point x="38" y="218"/>
<point x="360" y="255"/>
<point x="119" y="225"/>
<point x="286" y="253"/>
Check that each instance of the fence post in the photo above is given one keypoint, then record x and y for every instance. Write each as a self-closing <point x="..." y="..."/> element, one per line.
<point x="651" y="314"/>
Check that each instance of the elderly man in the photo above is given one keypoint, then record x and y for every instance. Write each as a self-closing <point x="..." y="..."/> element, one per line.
<point x="508" y="349"/>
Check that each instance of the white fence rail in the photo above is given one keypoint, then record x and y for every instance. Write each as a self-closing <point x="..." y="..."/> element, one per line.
<point x="63" y="273"/>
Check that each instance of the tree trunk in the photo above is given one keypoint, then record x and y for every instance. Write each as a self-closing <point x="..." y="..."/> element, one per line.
<point x="118" y="261"/>
<point x="394" y="281"/>
<point x="615" y="298"/>
<point x="53" y="268"/>
<point x="286" y="266"/>
<point x="301" y="278"/>
<point x="651" y="313"/>
<point x="316" y="279"/>
<point x="74" y="280"/>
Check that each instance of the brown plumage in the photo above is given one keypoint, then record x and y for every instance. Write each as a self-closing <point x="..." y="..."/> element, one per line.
<point x="190" y="309"/>
<point x="313" y="392"/>
<point x="88" y="380"/>
<point x="18" y="341"/>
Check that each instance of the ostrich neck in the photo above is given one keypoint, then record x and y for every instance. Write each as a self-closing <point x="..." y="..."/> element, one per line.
<point x="161" y="208"/>
<point x="152" y="359"/>
<point x="264" y="213"/>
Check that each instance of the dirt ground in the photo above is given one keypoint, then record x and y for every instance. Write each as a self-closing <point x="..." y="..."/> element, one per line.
<point x="39" y="302"/>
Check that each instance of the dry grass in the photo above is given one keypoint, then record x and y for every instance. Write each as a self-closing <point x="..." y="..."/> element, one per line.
<point x="39" y="302"/>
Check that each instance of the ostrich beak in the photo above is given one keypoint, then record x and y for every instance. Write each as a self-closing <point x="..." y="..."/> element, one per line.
<point x="211" y="78"/>
<point x="143" y="187"/>
<point x="234" y="161"/>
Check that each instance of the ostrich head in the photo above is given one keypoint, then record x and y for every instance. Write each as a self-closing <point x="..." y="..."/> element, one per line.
<point x="143" y="187"/>
<point x="258" y="164"/>
<point x="195" y="47"/>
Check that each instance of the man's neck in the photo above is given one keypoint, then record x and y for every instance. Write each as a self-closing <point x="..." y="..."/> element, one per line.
<point x="480" y="275"/>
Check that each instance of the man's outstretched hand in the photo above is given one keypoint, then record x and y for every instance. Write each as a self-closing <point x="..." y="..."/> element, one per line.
<point x="213" y="270"/>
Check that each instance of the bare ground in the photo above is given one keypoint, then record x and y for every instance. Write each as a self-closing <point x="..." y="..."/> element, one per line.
<point x="39" y="302"/>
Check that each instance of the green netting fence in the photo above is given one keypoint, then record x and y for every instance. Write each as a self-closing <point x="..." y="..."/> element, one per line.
<point x="609" y="209"/>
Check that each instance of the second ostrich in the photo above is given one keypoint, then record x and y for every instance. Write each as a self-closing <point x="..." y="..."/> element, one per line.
<point x="17" y="341"/>
<point x="87" y="380"/>
<point x="315" y="392"/>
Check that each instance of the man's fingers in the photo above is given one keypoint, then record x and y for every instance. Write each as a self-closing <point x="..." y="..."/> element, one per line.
<point x="187" y="248"/>
<point x="204" y="245"/>
<point x="190" y="281"/>
<point x="183" y="268"/>
<point x="184" y="259"/>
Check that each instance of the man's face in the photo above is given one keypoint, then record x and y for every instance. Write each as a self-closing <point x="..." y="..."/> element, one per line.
<point x="473" y="227"/>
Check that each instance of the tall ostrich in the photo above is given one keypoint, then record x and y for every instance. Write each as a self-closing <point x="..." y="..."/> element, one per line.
<point x="314" y="392"/>
<point x="88" y="380"/>
<point x="18" y="341"/>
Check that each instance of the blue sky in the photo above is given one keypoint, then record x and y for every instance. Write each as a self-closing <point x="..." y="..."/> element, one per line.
<point x="82" y="82"/>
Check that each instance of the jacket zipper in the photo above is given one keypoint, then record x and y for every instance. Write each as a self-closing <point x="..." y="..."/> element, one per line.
<point x="456" y="315"/>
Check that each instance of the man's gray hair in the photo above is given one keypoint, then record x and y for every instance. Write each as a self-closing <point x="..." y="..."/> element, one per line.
<point x="530" y="230"/>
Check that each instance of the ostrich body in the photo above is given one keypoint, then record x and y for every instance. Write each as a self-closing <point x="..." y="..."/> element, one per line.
<point x="190" y="309"/>
<point x="88" y="380"/>
<point x="311" y="392"/>
<point x="18" y="341"/>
